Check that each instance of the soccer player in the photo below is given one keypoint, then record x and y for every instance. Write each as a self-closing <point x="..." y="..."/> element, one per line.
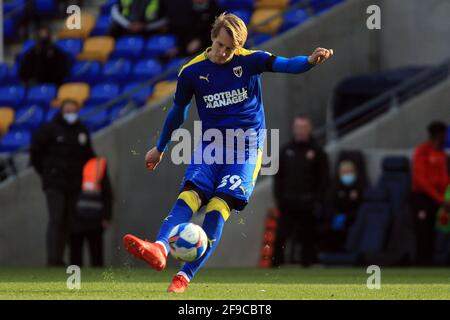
<point x="225" y="80"/>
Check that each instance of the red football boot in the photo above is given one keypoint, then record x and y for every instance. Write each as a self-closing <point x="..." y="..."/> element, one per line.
<point x="178" y="284"/>
<point x="152" y="253"/>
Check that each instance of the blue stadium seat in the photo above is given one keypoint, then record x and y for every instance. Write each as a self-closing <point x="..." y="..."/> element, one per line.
<point x="88" y="71"/>
<point x="9" y="28"/>
<point x="14" y="5"/>
<point x="3" y="73"/>
<point x="51" y="113"/>
<point x="293" y="18"/>
<point x="159" y="45"/>
<point x="368" y="235"/>
<point x="102" y="25"/>
<point x="106" y="7"/>
<point x="129" y="47"/>
<point x="142" y="95"/>
<point x="120" y="110"/>
<point x="116" y="70"/>
<point x="320" y="6"/>
<point x="146" y="69"/>
<point x="12" y="95"/>
<point x="45" y="7"/>
<point x="94" y="120"/>
<point x="14" y="140"/>
<point x="13" y="75"/>
<point x="28" y="118"/>
<point x="175" y="64"/>
<point x="244" y="14"/>
<point x="228" y="5"/>
<point x="395" y="179"/>
<point x="41" y="94"/>
<point x="102" y="92"/>
<point x="70" y="46"/>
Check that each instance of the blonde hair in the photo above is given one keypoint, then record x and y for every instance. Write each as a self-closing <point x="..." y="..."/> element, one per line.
<point x="233" y="25"/>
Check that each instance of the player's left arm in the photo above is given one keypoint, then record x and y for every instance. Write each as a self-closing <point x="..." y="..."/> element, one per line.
<point x="299" y="64"/>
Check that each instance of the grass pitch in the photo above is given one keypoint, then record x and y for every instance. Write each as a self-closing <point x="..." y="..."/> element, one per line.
<point x="289" y="283"/>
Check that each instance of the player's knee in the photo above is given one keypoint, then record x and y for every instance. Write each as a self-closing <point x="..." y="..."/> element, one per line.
<point x="218" y="204"/>
<point x="192" y="199"/>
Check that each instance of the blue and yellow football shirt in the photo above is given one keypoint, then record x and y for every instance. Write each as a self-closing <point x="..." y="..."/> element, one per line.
<point x="228" y="96"/>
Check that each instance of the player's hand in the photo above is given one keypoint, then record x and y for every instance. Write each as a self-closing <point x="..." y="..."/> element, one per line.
<point x="320" y="55"/>
<point x="153" y="158"/>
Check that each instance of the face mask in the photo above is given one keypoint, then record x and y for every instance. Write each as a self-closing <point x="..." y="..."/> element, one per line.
<point x="348" y="179"/>
<point x="71" y="117"/>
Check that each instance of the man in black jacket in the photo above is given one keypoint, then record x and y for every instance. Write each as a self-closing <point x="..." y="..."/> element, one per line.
<point x="59" y="151"/>
<point x="300" y="189"/>
<point x="190" y="21"/>
<point x="45" y="62"/>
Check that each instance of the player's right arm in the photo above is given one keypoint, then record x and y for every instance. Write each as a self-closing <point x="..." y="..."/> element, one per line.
<point x="175" y="118"/>
<point x="177" y="115"/>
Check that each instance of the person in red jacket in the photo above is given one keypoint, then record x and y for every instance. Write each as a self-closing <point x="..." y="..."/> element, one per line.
<point x="429" y="181"/>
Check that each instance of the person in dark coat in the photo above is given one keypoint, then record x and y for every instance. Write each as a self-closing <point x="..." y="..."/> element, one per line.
<point x="300" y="190"/>
<point x="45" y="63"/>
<point x="190" y="21"/>
<point x="59" y="150"/>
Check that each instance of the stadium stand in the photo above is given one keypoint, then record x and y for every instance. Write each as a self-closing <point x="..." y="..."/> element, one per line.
<point x="98" y="58"/>
<point x="395" y="178"/>
<point x="369" y="233"/>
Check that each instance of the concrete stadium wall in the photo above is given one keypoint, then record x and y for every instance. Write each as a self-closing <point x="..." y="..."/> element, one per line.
<point x="414" y="32"/>
<point x="356" y="48"/>
<point x="142" y="199"/>
<point x="404" y="127"/>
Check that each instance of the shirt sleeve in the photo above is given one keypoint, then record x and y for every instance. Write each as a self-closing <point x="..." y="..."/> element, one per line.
<point x="262" y="61"/>
<point x="184" y="91"/>
<point x="292" y="65"/>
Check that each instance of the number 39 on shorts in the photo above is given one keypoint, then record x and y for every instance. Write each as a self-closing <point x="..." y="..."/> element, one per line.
<point x="233" y="180"/>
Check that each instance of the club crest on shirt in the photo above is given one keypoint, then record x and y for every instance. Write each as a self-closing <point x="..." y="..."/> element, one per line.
<point x="238" y="71"/>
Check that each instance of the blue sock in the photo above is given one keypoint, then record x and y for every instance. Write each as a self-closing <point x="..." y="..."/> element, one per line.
<point x="187" y="204"/>
<point x="213" y="226"/>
